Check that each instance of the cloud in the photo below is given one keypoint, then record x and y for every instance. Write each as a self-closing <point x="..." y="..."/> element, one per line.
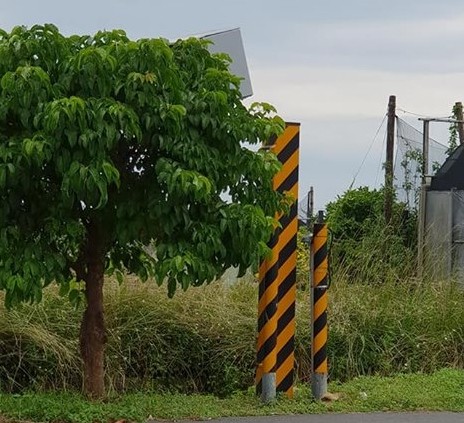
<point x="308" y="92"/>
<point x="428" y="44"/>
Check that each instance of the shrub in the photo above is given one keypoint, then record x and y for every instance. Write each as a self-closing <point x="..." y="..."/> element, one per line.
<point x="363" y="244"/>
<point x="203" y="340"/>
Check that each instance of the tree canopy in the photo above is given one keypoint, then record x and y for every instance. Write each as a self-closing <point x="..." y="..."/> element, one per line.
<point x="140" y="138"/>
<point x="126" y="156"/>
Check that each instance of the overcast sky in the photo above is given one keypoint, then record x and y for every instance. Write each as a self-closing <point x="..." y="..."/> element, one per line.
<point x="329" y="64"/>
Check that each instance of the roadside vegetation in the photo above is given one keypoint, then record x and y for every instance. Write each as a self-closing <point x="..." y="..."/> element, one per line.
<point x="204" y="340"/>
<point x="392" y="336"/>
<point x="439" y="391"/>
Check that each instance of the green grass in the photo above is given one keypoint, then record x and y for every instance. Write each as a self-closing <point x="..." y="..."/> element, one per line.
<point x="204" y="340"/>
<point x="442" y="390"/>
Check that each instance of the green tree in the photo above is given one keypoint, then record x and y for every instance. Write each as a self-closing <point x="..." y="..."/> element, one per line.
<point x="453" y="141"/>
<point x="125" y="156"/>
<point x="363" y="243"/>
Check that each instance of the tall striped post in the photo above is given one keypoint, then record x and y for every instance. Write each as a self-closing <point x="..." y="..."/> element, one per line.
<point x="287" y="181"/>
<point x="267" y="324"/>
<point x="319" y="311"/>
<point x="277" y="292"/>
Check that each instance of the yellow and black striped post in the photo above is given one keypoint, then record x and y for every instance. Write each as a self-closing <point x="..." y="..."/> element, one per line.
<point x="277" y="293"/>
<point x="319" y="310"/>
<point x="267" y="323"/>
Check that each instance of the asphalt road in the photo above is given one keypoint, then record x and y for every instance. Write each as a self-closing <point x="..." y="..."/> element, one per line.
<point x="352" y="418"/>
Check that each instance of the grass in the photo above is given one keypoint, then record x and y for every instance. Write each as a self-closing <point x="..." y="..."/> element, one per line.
<point x="203" y="340"/>
<point x="442" y="390"/>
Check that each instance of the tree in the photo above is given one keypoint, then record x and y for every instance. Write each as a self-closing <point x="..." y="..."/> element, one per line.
<point x="361" y="240"/>
<point x="125" y="156"/>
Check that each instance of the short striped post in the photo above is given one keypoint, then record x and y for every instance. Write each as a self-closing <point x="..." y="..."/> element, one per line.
<point x="319" y="311"/>
<point x="277" y="281"/>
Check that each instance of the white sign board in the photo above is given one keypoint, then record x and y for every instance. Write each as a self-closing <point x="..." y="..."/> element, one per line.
<point x="230" y="42"/>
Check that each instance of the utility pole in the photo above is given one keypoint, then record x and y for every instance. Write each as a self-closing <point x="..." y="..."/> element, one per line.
<point x="389" y="158"/>
<point x="459" y="117"/>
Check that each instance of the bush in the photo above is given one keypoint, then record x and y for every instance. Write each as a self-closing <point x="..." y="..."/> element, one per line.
<point x="204" y="340"/>
<point x="364" y="245"/>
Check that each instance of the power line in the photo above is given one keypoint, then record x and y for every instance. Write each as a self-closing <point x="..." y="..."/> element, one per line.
<point x="417" y="114"/>
<point x="367" y="153"/>
<point x="379" y="167"/>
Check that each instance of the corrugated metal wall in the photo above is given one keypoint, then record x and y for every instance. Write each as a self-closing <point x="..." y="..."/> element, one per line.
<point x="444" y="234"/>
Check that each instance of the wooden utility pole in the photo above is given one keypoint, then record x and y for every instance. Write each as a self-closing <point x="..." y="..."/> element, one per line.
<point x="459" y="117"/>
<point x="389" y="158"/>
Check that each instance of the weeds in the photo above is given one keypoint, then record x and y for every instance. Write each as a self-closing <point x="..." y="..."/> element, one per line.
<point x="439" y="391"/>
<point x="203" y="340"/>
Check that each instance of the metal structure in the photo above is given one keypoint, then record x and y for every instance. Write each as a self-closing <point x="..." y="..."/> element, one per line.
<point x="319" y="302"/>
<point x="229" y="41"/>
<point x="443" y="220"/>
<point x="432" y="213"/>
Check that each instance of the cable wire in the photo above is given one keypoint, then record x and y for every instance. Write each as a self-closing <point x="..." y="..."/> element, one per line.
<point x="379" y="167"/>
<point x="419" y="115"/>
<point x="367" y="153"/>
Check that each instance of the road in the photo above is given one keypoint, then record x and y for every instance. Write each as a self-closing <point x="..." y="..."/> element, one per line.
<point x="351" y="418"/>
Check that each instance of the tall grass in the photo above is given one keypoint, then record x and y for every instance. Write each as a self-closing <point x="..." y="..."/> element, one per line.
<point x="383" y="320"/>
<point x="203" y="340"/>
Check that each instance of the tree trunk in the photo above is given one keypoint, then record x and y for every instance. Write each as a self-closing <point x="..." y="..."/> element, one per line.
<point x="93" y="331"/>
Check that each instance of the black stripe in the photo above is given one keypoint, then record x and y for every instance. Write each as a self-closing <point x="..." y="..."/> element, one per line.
<point x="287" y="250"/>
<point x="289" y="149"/>
<point x="274" y="239"/>
<point x="319" y="292"/>
<point x="318" y="228"/>
<point x="320" y="323"/>
<point x="286" y="382"/>
<point x="267" y="313"/>
<point x="286" y="219"/>
<point x="287" y="283"/>
<point x="271" y="275"/>
<point x="289" y="182"/>
<point x="320" y="356"/>
<point x="266" y="348"/>
<point x="259" y="387"/>
<point x="320" y="255"/>
<point x="286" y="318"/>
<point x="286" y="350"/>
<point x="269" y="278"/>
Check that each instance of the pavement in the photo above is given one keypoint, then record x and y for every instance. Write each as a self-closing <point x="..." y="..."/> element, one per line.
<point x="422" y="417"/>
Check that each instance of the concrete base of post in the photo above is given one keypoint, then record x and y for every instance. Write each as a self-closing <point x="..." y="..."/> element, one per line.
<point x="268" y="392"/>
<point x="318" y="385"/>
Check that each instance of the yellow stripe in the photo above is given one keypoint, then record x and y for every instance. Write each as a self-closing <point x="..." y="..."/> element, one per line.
<point x="288" y="233"/>
<point x="320" y="273"/>
<point x="288" y="266"/>
<point x="285" y="368"/>
<point x="259" y="374"/>
<point x="320" y="239"/>
<point x="281" y="142"/>
<point x="270" y="293"/>
<point x="320" y="339"/>
<point x="285" y="335"/>
<point x="269" y="362"/>
<point x="323" y="368"/>
<point x="286" y="302"/>
<point x="320" y="307"/>
<point x="268" y="329"/>
<point x="287" y="168"/>
<point x="293" y="192"/>
<point x="289" y="393"/>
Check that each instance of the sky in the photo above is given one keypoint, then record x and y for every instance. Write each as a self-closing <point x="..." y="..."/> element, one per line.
<point x="328" y="64"/>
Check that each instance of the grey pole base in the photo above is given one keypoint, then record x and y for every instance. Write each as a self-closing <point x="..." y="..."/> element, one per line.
<point x="268" y="391"/>
<point x="318" y="385"/>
